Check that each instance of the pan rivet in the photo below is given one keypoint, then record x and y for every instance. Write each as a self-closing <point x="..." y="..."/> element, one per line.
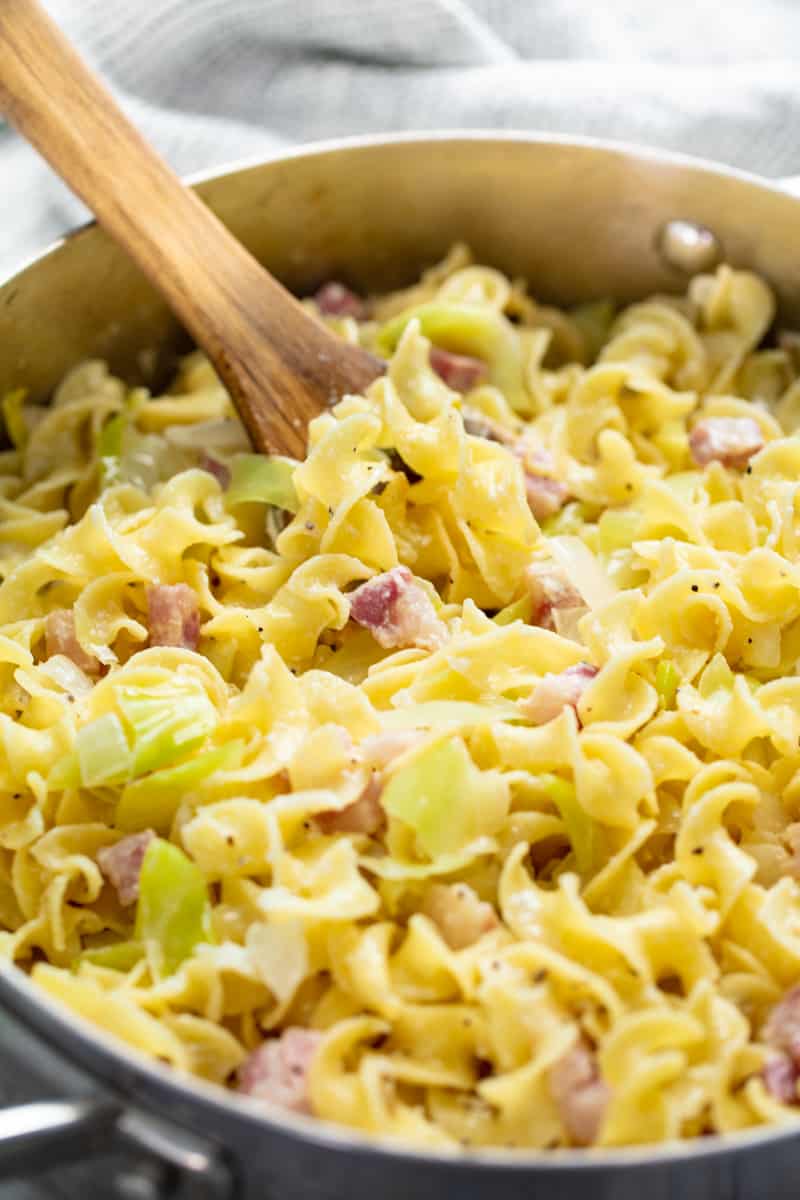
<point x="688" y="246"/>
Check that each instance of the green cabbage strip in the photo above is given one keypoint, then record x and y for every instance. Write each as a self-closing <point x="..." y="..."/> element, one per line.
<point x="109" y="450"/>
<point x="159" y="725"/>
<point x="119" y="956"/>
<point x="580" y="827"/>
<point x="467" y="329"/>
<point x="172" y="913"/>
<point x="444" y="798"/>
<point x="263" y="479"/>
<point x="166" y="723"/>
<point x="617" y="529"/>
<point x="152" y="801"/>
<point x="668" y="680"/>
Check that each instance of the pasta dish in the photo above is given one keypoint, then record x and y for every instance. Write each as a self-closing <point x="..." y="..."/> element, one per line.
<point x="445" y="784"/>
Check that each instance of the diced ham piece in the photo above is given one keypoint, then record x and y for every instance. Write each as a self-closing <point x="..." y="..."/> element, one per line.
<point x="782" y="1027"/>
<point x="60" y="638"/>
<point x="459" y="914"/>
<point x="780" y="1079"/>
<point x="364" y="815"/>
<point x="173" y="616"/>
<point x="461" y="372"/>
<point x="278" y="1070"/>
<point x="217" y="469"/>
<point x="580" y="1094"/>
<point x="781" y="1031"/>
<point x="122" y="863"/>
<point x="478" y="425"/>
<point x="555" y="692"/>
<point x="379" y="749"/>
<point x="731" y="441"/>
<point x="550" y="589"/>
<point x="397" y="611"/>
<point x="333" y="299"/>
<point x="545" y="496"/>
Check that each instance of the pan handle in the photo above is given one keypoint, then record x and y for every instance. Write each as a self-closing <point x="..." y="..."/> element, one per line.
<point x="53" y="1132"/>
<point x="171" y="1162"/>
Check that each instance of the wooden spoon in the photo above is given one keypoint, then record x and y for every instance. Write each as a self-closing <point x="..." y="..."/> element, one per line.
<point x="281" y="366"/>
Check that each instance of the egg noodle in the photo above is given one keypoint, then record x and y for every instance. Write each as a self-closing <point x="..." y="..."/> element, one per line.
<point x="632" y="861"/>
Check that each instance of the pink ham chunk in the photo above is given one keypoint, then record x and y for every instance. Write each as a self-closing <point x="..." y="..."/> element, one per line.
<point x="364" y="815"/>
<point x="60" y="638"/>
<point x="781" y="1031"/>
<point x="380" y="749"/>
<point x="476" y="424"/>
<point x="780" y="1079"/>
<point x="217" y="469"/>
<point x="122" y="864"/>
<point x="580" y="1094"/>
<point x="545" y="496"/>
<point x="731" y="441"/>
<point x="459" y="914"/>
<point x="173" y="616"/>
<point x="278" y="1070"/>
<point x="397" y="611"/>
<point x="554" y="693"/>
<point x="461" y="372"/>
<point x="333" y="299"/>
<point x="550" y="590"/>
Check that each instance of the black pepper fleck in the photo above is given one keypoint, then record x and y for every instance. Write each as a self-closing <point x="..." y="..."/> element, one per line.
<point x="695" y="588"/>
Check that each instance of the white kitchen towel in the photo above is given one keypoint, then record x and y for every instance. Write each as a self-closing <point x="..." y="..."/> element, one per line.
<point x="214" y="80"/>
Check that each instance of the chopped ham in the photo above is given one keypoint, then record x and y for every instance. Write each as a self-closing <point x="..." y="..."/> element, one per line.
<point x="731" y="441"/>
<point x="545" y="496"/>
<point x="579" y="1092"/>
<point x="550" y="589"/>
<point x="555" y="692"/>
<point x="781" y="1031"/>
<point x="278" y="1070"/>
<point x="364" y="815"/>
<point x="780" y="1079"/>
<point x="333" y="299"/>
<point x="478" y="425"/>
<point x="397" y="611"/>
<point x="173" y="615"/>
<point x="461" y="372"/>
<point x="379" y="749"/>
<point x="217" y="469"/>
<point x="782" y="1027"/>
<point x="122" y="863"/>
<point x="458" y="913"/>
<point x="60" y="638"/>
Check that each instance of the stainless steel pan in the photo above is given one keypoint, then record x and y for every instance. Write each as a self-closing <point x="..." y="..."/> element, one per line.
<point x="579" y="219"/>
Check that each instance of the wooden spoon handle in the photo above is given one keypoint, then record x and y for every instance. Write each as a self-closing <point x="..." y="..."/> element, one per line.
<point x="281" y="366"/>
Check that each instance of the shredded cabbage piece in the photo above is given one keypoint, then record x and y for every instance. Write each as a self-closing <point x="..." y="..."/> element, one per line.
<point x="581" y="829"/>
<point x="152" y="801"/>
<point x="172" y="912"/>
<point x="445" y="799"/>
<point x="263" y="479"/>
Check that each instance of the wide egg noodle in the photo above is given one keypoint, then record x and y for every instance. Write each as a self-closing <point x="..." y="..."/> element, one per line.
<point x="664" y="946"/>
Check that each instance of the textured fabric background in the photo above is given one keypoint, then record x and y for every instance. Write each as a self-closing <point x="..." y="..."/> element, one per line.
<point x="214" y="80"/>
